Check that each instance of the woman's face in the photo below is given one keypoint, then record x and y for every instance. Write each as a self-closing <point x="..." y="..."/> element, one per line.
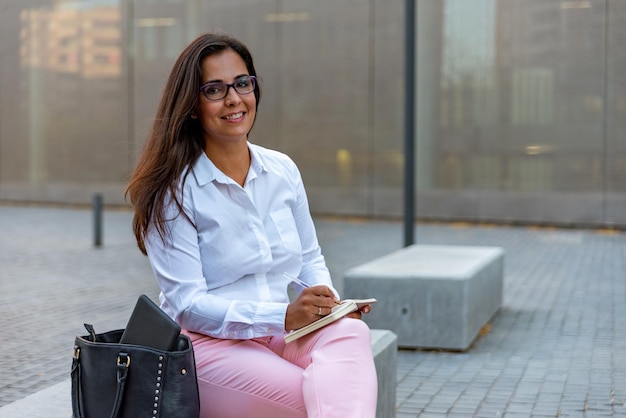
<point x="231" y="118"/>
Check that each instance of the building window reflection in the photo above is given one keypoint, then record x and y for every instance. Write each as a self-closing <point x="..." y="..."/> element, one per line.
<point x="82" y="38"/>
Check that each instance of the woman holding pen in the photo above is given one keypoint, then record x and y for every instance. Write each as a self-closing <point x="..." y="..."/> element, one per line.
<point x="222" y="220"/>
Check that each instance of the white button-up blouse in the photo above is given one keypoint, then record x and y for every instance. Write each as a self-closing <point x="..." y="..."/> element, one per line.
<point x="223" y="274"/>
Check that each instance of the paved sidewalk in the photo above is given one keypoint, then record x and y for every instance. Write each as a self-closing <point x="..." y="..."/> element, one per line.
<point x="556" y="349"/>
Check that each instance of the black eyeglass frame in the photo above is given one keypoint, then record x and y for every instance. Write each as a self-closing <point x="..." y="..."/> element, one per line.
<point x="250" y="78"/>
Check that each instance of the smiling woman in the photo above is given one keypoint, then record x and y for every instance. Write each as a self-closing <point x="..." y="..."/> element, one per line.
<point x="222" y="220"/>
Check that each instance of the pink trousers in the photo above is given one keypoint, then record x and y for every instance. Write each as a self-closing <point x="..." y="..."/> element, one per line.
<point x="328" y="373"/>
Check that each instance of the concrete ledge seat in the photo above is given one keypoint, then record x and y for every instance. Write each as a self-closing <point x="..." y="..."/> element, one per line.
<point x="431" y="296"/>
<point x="52" y="402"/>
<point x="385" y="348"/>
<point x="55" y="401"/>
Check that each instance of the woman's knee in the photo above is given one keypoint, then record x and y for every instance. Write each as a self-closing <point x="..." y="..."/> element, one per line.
<point x="354" y="325"/>
<point x="351" y="328"/>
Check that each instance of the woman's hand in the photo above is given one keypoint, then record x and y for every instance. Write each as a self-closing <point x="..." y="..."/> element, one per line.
<point x="313" y="303"/>
<point x="365" y="309"/>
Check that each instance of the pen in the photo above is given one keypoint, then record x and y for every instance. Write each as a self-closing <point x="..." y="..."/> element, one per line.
<point x="295" y="279"/>
<point x="300" y="282"/>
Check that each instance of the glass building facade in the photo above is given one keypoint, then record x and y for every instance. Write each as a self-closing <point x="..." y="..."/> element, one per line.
<point x="520" y="109"/>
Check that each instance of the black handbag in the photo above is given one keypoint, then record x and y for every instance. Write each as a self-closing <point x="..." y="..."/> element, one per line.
<point x="113" y="380"/>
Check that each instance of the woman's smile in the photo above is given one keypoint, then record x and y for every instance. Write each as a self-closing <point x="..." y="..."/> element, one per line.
<point x="235" y="117"/>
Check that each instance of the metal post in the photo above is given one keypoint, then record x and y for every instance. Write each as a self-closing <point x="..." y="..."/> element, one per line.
<point x="97" y="220"/>
<point x="409" y="124"/>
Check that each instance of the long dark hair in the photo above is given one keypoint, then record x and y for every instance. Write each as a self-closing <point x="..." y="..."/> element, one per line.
<point x="176" y="141"/>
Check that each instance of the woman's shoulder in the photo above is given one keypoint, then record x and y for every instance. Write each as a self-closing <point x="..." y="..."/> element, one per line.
<point x="272" y="159"/>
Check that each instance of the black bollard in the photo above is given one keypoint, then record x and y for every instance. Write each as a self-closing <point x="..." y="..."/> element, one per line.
<point x="97" y="220"/>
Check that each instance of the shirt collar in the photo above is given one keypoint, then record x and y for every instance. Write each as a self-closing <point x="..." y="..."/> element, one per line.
<point x="257" y="166"/>
<point x="205" y="171"/>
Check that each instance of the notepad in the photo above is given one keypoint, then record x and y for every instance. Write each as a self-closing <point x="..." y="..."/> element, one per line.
<point x="339" y="311"/>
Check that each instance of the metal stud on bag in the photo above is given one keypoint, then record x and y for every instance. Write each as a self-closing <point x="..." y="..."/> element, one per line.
<point x="155" y="411"/>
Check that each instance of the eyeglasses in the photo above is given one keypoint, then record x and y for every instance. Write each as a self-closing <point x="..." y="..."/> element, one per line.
<point x="217" y="90"/>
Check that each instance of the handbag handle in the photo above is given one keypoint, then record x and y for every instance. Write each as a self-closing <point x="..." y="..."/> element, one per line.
<point x="75" y="383"/>
<point x="123" y="362"/>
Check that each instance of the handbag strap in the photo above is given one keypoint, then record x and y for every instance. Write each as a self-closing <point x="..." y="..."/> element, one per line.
<point x="75" y="383"/>
<point x="123" y="362"/>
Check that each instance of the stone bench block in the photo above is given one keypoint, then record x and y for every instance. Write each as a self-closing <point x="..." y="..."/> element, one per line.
<point x="385" y="348"/>
<point x="55" y="401"/>
<point x="52" y="402"/>
<point x="431" y="296"/>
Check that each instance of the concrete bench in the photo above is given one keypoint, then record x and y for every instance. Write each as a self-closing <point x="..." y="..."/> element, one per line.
<point x="52" y="402"/>
<point x="385" y="349"/>
<point x="431" y="296"/>
<point x="55" y="401"/>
